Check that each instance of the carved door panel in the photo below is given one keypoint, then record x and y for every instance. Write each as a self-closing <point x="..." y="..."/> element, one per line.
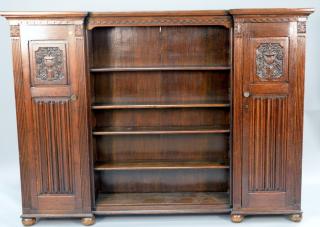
<point x="54" y="93"/>
<point x="268" y="114"/>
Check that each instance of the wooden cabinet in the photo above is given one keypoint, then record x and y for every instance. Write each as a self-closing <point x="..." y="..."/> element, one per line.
<point x="160" y="112"/>
<point x="50" y="85"/>
<point x="270" y="111"/>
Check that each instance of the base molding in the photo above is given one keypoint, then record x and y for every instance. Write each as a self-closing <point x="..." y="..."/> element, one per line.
<point x="265" y="212"/>
<point x="78" y="215"/>
<point x="293" y="215"/>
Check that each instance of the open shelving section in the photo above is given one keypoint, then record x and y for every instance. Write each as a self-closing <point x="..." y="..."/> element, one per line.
<point x="161" y="115"/>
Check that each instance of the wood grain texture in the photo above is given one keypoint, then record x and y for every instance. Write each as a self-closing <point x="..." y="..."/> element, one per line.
<point x="158" y="165"/>
<point x="176" y="46"/>
<point x="160" y="130"/>
<point x="159" y="112"/>
<point x="46" y="115"/>
<point x="161" y="68"/>
<point x="53" y="141"/>
<point x="22" y="124"/>
<point x="267" y="159"/>
<point x="163" y="148"/>
<point x="156" y="203"/>
<point x="264" y="180"/>
<point x="173" y="18"/>
<point x="164" y="180"/>
<point x="187" y="117"/>
<point x="273" y="11"/>
<point x="166" y="87"/>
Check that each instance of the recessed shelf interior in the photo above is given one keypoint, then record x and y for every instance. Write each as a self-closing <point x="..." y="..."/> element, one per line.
<point x="160" y="105"/>
<point x="133" y="203"/>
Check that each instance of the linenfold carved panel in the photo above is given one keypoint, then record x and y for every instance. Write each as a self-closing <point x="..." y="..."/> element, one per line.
<point x="53" y="136"/>
<point x="267" y="156"/>
<point x="48" y="62"/>
<point x="269" y="61"/>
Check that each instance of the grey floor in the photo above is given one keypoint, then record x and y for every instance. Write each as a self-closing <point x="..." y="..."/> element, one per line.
<point x="10" y="196"/>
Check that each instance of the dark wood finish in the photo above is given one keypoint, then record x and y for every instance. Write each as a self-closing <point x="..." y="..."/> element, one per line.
<point x="217" y="118"/>
<point x="163" y="180"/>
<point x="163" y="148"/>
<point x="164" y="87"/>
<point x="158" y="165"/>
<point x="51" y="113"/>
<point x="159" y="130"/>
<point x="166" y="18"/>
<point x="162" y="203"/>
<point x="106" y="106"/>
<point x="178" y="46"/>
<point x="172" y="68"/>
<point x="159" y="112"/>
<point x="268" y="111"/>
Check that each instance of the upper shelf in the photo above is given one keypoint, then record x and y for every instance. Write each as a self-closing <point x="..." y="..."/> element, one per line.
<point x="160" y="68"/>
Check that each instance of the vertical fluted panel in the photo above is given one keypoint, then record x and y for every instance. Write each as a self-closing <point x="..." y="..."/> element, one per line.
<point x="267" y="155"/>
<point x="52" y="120"/>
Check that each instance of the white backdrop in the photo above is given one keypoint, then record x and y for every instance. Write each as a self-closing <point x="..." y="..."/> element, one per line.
<point x="10" y="198"/>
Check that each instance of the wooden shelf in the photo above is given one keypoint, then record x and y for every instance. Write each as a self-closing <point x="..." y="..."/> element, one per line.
<point x="103" y="166"/>
<point x="159" y="68"/>
<point x="161" y="130"/>
<point x="106" y="106"/>
<point x="161" y="203"/>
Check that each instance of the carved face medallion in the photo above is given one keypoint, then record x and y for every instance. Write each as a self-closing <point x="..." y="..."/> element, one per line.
<point x="50" y="63"/>
<point x="269" y="61"/>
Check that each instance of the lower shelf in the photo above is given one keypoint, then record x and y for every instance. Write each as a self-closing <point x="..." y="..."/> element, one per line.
<point x="104" y="166"/>
<point x="162" y="203"/>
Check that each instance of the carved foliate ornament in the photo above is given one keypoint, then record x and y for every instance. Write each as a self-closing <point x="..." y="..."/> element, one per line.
<point x="50" y="63"/>
<point x="269" y="61"/>
<point x="14" y="30"/>
<point x="302" y="26"/>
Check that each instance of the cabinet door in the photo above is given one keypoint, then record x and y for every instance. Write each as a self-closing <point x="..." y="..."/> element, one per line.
<point x="52" y="119"/>
<point x="269" y="112"/>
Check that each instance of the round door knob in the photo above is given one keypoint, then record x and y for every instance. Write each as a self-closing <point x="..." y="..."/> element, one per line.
<point x="246" y="94"/>
<point x="73" y="97"/>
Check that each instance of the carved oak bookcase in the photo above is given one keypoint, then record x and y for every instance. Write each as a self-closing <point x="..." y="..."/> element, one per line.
<point x="159" y="112"/>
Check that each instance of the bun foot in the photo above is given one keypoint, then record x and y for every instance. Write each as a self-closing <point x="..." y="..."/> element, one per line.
<point x="295" y="217"/>
<point x="237" y="218"/>
<point x="29" y="221"/>
<point x="88" y="221"/>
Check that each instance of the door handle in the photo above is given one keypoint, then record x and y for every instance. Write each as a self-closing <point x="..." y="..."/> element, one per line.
<point x="246" y="94"/>
<point x="73" y="97"/>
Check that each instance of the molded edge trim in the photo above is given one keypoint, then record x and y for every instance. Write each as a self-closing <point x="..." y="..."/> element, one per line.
<point x="42" y="15"/>
<point x="273" y="11"/>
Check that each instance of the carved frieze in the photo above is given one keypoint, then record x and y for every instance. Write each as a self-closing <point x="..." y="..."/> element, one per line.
<point x="269" y="61"/>
<point x="123" y="21"/>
